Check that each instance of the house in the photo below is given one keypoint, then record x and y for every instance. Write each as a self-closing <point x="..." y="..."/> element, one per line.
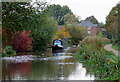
<point x="92" y="28"/>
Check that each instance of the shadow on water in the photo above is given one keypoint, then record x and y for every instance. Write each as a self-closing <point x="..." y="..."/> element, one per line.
<point x="46" y="66"/>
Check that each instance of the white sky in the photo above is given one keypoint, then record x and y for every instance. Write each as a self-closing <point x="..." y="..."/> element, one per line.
<point x="85" y="8"/>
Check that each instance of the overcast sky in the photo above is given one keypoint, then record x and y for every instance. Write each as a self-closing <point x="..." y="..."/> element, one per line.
<point x="85" y="8"/>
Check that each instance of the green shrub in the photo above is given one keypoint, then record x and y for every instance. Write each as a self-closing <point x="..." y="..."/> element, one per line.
<point x="8" y="51"/>
<point x="12" y="53"/>
<point x="95" y="43"/>
<point x="116" y="47"/>
<point x="102" y="63"/>
<point x="4" y="53"/>
<point x="77" y="33"/>
<point x="100" y="35"/>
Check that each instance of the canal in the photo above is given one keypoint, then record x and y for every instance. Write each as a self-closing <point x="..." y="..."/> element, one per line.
<point x="45" y="66"/>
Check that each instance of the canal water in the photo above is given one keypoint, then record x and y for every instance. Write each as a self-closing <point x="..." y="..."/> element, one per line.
<point x="45" y="66"/>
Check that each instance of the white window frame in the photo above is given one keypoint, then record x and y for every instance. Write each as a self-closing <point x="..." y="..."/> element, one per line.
<point x="89" y="32"/>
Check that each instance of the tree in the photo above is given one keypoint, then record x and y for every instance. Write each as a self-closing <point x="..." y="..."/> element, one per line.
<point x="58" y="12"/>
<point x="92" y="19"/>
<point x="70" y="19"/>
<point x="77" y="33"/>
<point x="14" y="17"/>
<point x="112" y="23"/>
<point x="23" y="16"/>
<point x="62" y="34"/>
<point x="112" y="16"/>
<point x="39" y="6"/>
<point x="43" y="29"/>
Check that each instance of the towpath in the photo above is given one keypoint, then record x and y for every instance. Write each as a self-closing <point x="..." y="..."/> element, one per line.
<point x="109" y="48"/>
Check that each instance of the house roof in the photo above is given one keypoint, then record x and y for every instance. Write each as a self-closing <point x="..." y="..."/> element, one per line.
<point x="103" y="29"/>
<point x="87" y="23"/>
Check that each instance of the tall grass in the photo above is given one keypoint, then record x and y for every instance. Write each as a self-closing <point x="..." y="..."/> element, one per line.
<point x="102" y="63"/>
<point x="116" y="47"/>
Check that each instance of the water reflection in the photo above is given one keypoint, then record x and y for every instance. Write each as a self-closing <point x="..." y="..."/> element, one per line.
<point x="58" y="66"/>
<point x="12" y="70"/>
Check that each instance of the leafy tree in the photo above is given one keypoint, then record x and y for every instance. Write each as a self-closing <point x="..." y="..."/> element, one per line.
<point x="92" y="19"/>
<point x="112" y="23"/>
<point x="62" y="34"/>
<point x="23" y="16"/>
<point x="70" y="19"/>
<point x="43" y="29"/>
<point x="39" y="6"/>
<point x="113" y="13"/>
<point x="58" y="12"/>
<point x="14" y="17"/>
<point x="77" y="33"/>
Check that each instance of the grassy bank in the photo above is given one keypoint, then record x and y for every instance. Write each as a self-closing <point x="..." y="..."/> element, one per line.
<point x="106" y="43"/>
<point x="102" y="63"/>
<point x="8" y="51"/>
<point x="116" y="47"/>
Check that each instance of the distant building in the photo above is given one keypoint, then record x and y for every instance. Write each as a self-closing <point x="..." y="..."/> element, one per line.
<point x="92" y="28"/>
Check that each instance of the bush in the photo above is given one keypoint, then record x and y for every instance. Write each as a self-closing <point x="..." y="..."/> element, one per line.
<point x="12" y="53"/>
<point x="104" y="64"/>
<point x="116" y="47"/>
<point x="77" y="33"/>
<point x="100" y="35"/>
<point x="4" y="53"/>
<point x="8" y="51"/>
<point x="21" y="41"/>
<point x="95" y="42"/>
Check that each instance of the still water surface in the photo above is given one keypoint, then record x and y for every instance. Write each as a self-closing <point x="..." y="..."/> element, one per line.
<point x="48" y="66"/>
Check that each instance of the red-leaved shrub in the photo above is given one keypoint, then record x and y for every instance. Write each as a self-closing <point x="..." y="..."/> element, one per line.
<point x="21" y="41"/>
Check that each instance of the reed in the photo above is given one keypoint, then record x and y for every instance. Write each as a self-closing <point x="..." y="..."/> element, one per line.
<point x="102" y="63"/>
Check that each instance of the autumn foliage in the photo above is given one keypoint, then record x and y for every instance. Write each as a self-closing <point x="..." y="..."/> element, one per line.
<point x="61" y="34"/>
<point x="21" y="41"/>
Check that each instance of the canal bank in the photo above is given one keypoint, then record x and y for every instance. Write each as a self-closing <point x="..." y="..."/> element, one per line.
<point x="98" y="61"/>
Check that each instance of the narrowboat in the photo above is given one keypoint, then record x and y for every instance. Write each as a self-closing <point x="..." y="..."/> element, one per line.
<point x="57" y="45"/>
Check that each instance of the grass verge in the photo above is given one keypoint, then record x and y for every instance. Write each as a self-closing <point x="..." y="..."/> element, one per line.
<point x="98" y="61"/>
<point x="116" y="47"/>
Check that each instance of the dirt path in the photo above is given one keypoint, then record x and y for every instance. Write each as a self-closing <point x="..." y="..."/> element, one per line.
<point x="109" y="48"/>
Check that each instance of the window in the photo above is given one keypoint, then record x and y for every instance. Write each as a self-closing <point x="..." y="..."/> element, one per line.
<point x="89" y="27"/>
<point x="57" y="42"/>
<point x="89" y="32"/>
